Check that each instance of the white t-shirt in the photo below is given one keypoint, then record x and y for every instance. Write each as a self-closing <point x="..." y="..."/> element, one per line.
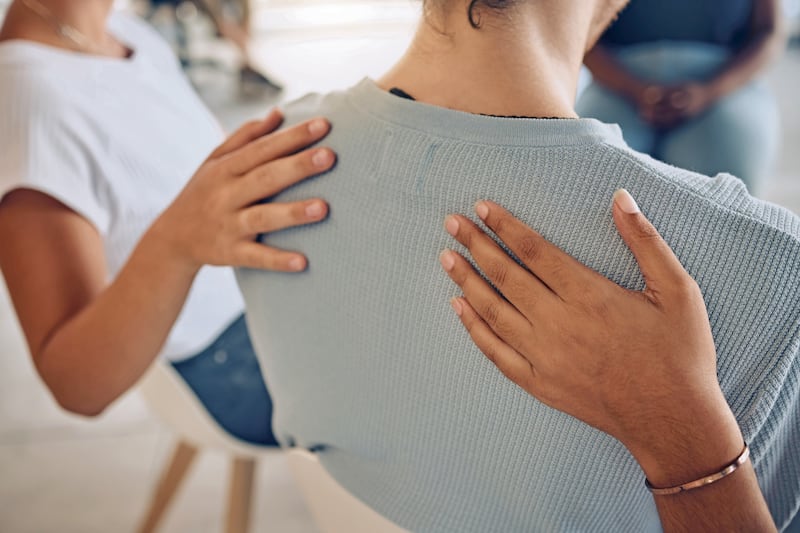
<point x="115" y="141"/>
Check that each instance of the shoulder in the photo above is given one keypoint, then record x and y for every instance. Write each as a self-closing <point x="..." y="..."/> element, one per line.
<point x="720" y="196"/>
<point x="37" y="102"/>
<point x="31" y="95"/>
<point x="136" y="32"/>
<point x="313" y="104"/>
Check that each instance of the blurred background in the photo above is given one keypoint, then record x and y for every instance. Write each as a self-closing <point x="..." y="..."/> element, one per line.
<point x="62" y="473"/>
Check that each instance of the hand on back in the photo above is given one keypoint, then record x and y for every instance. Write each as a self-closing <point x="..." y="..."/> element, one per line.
<point x="640" y="366"/>
<point x="218" y="215"/>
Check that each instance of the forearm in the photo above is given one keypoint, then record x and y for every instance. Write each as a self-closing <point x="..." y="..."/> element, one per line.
<point x="610" y="73"/>
<point x="734" y="503"/>
<point x="102" y="350"/>
<point x="762" y="49"/>
<point x="690" y="452"/>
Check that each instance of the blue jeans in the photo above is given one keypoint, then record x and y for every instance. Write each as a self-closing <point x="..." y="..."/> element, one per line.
<point x="738" y="134"/>
<point x="227" y="379"/>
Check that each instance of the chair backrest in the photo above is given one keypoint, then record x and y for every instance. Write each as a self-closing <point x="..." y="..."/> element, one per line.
<point x="335" y="510"/>
<point x="171" y="399"/>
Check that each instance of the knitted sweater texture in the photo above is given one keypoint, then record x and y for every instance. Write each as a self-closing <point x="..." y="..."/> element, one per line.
<point x="368" y="364"/>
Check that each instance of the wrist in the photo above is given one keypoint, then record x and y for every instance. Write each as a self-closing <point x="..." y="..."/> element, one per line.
<point x="160" y="245"/>
<point x="705" y="441"/>
<point x="637" y="91"/>
<point x="712" y="91"/>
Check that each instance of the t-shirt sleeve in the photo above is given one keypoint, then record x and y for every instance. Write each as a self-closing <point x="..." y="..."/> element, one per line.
<point x="44" y="146"/>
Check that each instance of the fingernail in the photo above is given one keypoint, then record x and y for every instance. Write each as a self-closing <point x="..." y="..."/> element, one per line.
<point x="447" y="260"/>
<point x="296" y="263"/>
<point x="457" y="307"/>
<point x="318" y="126"/>
<point x="322" y="158"/>
<point x="315" y="210"/>
<point x="451" y="225"/>
<point x="482" y="210"/>
<point x="626" y="202"/>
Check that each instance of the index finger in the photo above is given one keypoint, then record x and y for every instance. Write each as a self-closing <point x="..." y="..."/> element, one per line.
<point x="561" y="272"/>
<point x="249" y="132"/>
<point x="276" y="145"/>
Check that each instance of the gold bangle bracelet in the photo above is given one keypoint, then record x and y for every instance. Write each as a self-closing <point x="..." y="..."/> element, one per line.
<point x="702" y="482"/>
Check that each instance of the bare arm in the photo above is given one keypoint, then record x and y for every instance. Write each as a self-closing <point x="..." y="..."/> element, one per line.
<point x="766" y="40"/>
<point x="90" y="340"/>
<point x="610" y="73"/>
<point x="591" y="336"/>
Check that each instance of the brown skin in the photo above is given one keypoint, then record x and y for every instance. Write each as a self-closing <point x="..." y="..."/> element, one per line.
<point x="667" y="106"/>
<point x="569" y="337"/>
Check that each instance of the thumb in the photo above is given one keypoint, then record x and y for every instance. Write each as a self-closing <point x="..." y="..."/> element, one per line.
<point x="659" y="265"/>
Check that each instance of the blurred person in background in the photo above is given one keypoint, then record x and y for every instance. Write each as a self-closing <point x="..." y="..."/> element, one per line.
<point x="682" y="79"/>
<point x="111" y="207"/>
<point x="232" y="21"/>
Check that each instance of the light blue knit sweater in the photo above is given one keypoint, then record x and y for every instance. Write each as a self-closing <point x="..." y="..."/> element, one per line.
<point x="366" y="360"/>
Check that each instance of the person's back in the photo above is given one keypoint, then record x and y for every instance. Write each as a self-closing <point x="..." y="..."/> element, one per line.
<point x="368" y="364"/>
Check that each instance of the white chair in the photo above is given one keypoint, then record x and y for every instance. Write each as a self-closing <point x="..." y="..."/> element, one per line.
<point x="332" y="507"/>
<point x="171" y="399"/>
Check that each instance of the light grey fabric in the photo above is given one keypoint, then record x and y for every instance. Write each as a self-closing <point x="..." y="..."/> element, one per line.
<point x="366" y="360"/>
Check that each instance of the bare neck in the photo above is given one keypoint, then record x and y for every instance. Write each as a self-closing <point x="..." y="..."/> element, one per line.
<point x="527" y="65"/>
<point x="89" y="17"/>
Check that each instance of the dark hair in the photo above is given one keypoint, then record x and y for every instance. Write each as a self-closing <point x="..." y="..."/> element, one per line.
<point x="473" y="12"/>
<point x="475" y="20"/>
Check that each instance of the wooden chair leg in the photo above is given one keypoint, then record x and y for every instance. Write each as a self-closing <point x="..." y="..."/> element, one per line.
<point x="168" y="485"/>
<point x="240" y="495"/>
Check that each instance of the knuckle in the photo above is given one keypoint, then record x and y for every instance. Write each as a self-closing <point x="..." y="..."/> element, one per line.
<point x="686" y="287"/>
<point x="466" y="233"/>
<point x="303" y="164"/>
<point x="265" y="173"/>
<point x="300" y="134"/>
<point x="254" y="219"/>
<point x="469" y="321"/>
<point x="491" y="313"/>
<point x="264" y="176"/>
<point x="492" y="353"/>
<point x="497" y="271"/>
<point x="558" y="269"/>
<point x="213" y="169"/>
<point x="215" y="208"/>
<point x="245" y="221"/>
<point x="500" y="223"/>
<point x="459" y="273"/>
<point x="525" y="299"/>
<point x="527" y="380"/>
<point x="506" y="331"/>
<point x="598" y="305"/>
<point x="251" y="259"/>
<point x="647" y="232"/>
<point x="530" y="248"/>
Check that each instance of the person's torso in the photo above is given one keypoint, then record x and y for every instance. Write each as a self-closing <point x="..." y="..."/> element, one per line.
<point x="720" y="22"/>
<point x="367" y="362"/>
<point x="143" y="132"/>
